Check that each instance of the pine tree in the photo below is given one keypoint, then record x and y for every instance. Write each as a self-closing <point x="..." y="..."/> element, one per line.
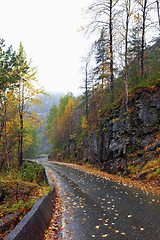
<point x="102" y="58"/>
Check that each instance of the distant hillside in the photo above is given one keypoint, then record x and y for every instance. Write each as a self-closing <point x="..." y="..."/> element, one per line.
<point x="48" y="102"/>
<point x="42" y="112"/>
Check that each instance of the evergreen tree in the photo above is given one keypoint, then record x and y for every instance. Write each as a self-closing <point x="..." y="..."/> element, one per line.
<point x="102" y="63"/>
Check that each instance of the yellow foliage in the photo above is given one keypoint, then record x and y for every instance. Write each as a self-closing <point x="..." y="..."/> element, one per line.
<point x="63" y="124"/>
<point x="69" y="108"/>
<point x="84" y="124"/>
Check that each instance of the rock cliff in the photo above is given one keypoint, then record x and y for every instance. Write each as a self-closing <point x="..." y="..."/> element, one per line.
<point x="124" y="137"/>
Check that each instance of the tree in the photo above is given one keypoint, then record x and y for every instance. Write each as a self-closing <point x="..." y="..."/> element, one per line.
<point x="86" y="88"/>
<point x="63" y="121"/>
<point x="144" y="12"/>
<point x="157" y="1"/>
<point x="8" y="138"/>
<point x="104" y="16"/>
<point x="87" y="84"/>
<point x="128" y="13"/>
<point x="49" y="128"/>
<point x="144" y="6"/>
<point x="31" y="140"/>
<point x="8" y="78"/>
<point x="111" y="40"/>
<point x="69" y="123"/>
<point x="63" y="102"/>
<point x="8" y="81"/>
<point x="101" y="55"/>
<point x="22" y="67"/>
<point x="17" y="91"/>
<point x="84" y="124"/>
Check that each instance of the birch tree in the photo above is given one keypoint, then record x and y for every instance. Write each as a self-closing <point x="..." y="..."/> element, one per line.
<point x="128" y="14"/>
<point x="104" y="13"/>
<point x="144" y="7"/>
<point x="157" y="2"/>
<point x="87" y="84"/>
<point x="22" y="68"/>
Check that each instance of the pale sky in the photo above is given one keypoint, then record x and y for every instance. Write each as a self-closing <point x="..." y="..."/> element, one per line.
<point x="48" y="32"/>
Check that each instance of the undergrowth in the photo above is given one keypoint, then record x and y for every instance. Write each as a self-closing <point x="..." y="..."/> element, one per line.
<point x="20" y="190"/>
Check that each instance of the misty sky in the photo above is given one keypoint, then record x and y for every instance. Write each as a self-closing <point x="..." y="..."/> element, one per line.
<point x="48" y="32"/>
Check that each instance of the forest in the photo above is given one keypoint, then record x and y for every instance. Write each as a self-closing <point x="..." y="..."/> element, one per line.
<point x="18" y="90"/>
<point x="21" y="183"/>
<point x="113" y="126"/>
<point x="125" y="57"/>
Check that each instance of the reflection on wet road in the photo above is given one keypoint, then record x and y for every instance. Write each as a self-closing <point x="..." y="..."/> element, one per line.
<point x="96" y="208"/>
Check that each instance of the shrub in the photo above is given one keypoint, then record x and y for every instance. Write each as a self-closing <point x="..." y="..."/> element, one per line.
<point x="32" y="172"/>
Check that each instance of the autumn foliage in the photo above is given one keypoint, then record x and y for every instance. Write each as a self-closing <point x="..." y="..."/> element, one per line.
<point x="17" y="92"/>
<point x="63" y="121"/>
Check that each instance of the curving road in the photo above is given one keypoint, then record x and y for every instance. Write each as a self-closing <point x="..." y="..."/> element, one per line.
<point x="96" y="208"/>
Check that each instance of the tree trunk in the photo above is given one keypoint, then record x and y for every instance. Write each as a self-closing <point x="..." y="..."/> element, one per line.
<point x="128" y="3"/>
<point x="2" y="118"/>
<point x="143" y="39"/>
<point x="20" y="138"/>
<point x="21" y="141"/>
<point x="86" y="89"/>
<point x="158" y="15"/>
<point x="111" y="49"/>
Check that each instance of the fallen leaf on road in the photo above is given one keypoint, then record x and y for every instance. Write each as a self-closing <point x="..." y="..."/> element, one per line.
<point x="142" y="229"/>
<point x="105" y="235"/>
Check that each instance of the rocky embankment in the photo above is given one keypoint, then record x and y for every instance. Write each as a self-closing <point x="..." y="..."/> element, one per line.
<point x="124" y="138"/>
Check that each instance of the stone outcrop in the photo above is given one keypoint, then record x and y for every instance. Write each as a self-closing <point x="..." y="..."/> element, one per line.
<point x="123" y="136"/>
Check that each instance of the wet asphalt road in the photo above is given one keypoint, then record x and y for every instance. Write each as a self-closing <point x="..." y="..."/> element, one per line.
<point x="96" y="208"/>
